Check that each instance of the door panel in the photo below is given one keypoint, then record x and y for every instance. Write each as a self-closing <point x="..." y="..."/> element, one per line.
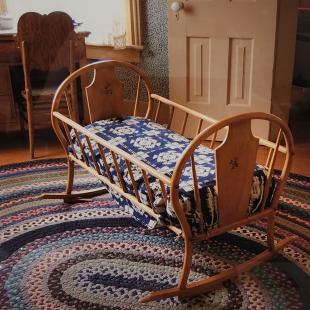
<point x="199" y="69"/>
<point x="241" y="59"/>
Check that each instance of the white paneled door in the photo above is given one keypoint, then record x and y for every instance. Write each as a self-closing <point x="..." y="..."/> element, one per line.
<point x="222" y="56"/>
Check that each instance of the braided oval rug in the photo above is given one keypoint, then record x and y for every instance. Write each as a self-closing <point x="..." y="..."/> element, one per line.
<point x="92" y="255"/>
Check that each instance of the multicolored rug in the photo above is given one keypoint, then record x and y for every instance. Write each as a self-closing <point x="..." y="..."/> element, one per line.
<point x="92" y="255"/>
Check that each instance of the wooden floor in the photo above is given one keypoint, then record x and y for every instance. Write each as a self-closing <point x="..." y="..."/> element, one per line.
<point x="14" y="146"/>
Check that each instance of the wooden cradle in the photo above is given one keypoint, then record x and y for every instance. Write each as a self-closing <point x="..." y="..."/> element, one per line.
<point x="235" y="160"/>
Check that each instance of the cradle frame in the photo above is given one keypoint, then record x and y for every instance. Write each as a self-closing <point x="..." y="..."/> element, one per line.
<point x="232" y="208"/>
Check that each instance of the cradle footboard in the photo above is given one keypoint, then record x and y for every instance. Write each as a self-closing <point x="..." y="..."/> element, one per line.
<point x="235" y="160"/>
<point x="197" y="187"/>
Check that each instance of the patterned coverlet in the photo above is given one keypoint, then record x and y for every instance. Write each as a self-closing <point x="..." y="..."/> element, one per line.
<point x="161" y="148"/>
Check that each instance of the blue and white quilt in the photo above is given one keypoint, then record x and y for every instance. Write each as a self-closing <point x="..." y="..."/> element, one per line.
<point x="161" y="149"/>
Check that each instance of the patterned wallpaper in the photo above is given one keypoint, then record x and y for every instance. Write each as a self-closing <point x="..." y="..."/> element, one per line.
<point x="155" y="41"/>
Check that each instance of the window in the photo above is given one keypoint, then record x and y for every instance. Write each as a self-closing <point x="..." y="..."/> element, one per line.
<point x="111" y="23"/>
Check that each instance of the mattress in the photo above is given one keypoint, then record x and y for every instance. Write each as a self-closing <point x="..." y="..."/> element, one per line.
<point x="161" y="148"/>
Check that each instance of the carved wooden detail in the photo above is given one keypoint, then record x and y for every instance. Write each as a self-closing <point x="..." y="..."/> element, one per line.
<point x="235" y="162"/>
<point x="105" y="95"/>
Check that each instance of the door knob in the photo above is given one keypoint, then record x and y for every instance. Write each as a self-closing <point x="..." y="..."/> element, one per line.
<point x="176" y="7"/>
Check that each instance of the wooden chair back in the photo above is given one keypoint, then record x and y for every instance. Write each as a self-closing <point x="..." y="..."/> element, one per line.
<point x="46" y="40"/>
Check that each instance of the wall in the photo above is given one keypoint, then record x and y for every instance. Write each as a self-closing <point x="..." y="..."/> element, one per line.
<point x="155" y="40"/>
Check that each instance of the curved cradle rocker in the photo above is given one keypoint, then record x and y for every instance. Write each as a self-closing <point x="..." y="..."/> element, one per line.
<point x="157" y="190"/>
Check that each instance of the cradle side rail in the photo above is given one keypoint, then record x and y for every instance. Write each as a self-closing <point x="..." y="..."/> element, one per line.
<point x="73" y="130"/>
<point x="202" y="120"/>
<point x="106" y="98"/>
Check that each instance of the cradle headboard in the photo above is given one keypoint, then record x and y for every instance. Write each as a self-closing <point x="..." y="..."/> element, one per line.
<point x="105" y="95"/>
<point x="112" y="89"/>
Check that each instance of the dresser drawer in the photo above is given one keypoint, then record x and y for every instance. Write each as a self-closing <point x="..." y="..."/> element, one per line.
<point x="9" y="53"/>
<point x="7" y="110"/>
<point x="7" y="106"/>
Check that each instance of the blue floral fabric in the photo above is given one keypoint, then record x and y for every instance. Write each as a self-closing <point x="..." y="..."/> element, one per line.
<point x="161" y="149"/>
